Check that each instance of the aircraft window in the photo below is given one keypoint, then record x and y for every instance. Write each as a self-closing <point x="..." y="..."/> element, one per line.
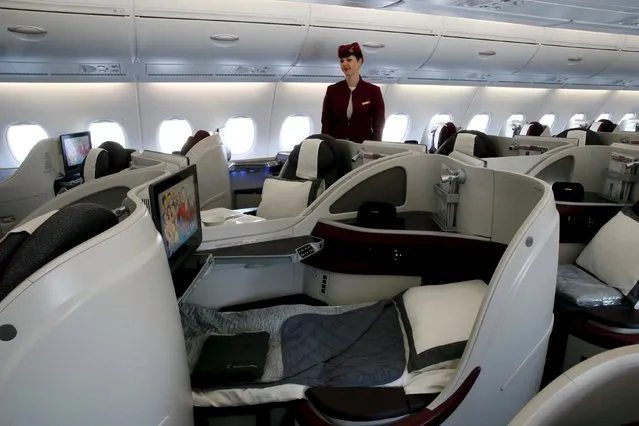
<point x="548" y="120"/>
<point x="479" y="123"/>
<point x="239" y="134"/>
<point x="603" y="116"/>
<point x="513" y="125"/>
<point x="577" y="120"/>
<point x="437" y="120"/>
<point x="628" y="122"/>
<point x="103" y="131"/>
<point x="294" y="130"/>
<point x="22" y="137"/>
<point x="395" y="128"/>
<point x="173" y="133"/>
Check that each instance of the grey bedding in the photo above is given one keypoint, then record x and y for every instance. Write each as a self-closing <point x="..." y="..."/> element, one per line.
<point x="356" y="345"/>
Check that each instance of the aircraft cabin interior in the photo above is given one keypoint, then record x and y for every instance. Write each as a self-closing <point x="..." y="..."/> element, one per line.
<point x="319" y="212"/>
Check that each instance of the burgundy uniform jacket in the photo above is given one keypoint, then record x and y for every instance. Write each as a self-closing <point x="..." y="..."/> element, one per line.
<point x="367" y="119"/>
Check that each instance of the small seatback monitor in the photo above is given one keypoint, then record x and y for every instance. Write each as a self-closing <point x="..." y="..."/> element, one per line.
<point x="74" y="148"/>
<point x="175" y="209"/>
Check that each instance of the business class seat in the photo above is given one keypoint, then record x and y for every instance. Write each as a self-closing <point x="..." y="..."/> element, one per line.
<point x="313" y="165"/>
<point x="63" y="308"/>
<point x="604" y="126"/>
<point x="442" y="133"/>
<point x="602" y="390"/>
<point x="534" y="128"/>
<point x="584" y="136"/>
<point x="469" y="142"/>
<point x="106" y="159"/>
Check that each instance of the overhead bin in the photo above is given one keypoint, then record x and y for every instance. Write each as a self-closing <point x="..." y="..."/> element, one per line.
<point x="588" y="39"/>
<point x="266" y="11"/>
<point x="187" y="72"/>
<point x="378" y="20"/>
<point x="632" y="43"/>
<point x="380" y="48"/>
<point x="176" y="41"/>
<point x="313" y="74"/>
<point x="112" y="7"/>
<point x="624" y="66"/>
<point x="491" y="30"/>
<point x="44" y="36"/>
<point x="568" y="62"/>
<point x="464" y="54"/>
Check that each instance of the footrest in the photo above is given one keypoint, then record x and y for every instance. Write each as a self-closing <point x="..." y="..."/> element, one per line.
<point x="366" y="404"/>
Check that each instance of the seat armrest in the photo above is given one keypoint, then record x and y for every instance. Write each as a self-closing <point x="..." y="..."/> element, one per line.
<point x="248" y="211"/>
<point x="307" y="416"/>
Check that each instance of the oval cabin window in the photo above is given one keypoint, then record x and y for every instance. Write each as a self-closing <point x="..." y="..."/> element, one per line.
<point x="479" y="123"/>
<point x="547" y="120"/>
<point x="628" y="122"/>
<point x="22" y="137"/>
<point x="173" y="133"/>
<point x="513" y="125"/>
<point x="577" y="120"/>
<point x="294" y="130"/>
<point x="238" y="134"/>
<point x="103" y="131"/>
<point x="395" y="128"/>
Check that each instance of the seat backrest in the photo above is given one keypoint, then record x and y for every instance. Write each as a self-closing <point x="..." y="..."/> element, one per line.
<point x="318" y="157"/>
<point x="107" y="159"/>
<point x="32" y="245"/>
<point x="191" y="141"/>
<point x="584" y="136"/>
<point x="441" y="135"/>
<point x="471" y="142"/>
<point x="313" y="165"/>
<point x="534" y="128"/>
<point x="603" y="125"/>
<point x="214" y="181"/>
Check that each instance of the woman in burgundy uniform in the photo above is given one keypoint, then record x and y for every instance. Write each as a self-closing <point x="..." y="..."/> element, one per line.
<point x="353" y="108"/>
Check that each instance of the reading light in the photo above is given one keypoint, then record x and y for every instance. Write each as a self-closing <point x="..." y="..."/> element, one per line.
<point x="28" y="32"/>
<point x="224" y="40"/>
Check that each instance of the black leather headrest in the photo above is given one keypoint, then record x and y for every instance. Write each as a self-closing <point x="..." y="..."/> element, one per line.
<point x="606" y="126"/>
<point x="484" y="145"/>
<point x="592" y="138"/>
<point x="114" y="159"/>
<point x="334" y="160"/>
<point x="441" y="135"/>
<point x="23" y="254"/>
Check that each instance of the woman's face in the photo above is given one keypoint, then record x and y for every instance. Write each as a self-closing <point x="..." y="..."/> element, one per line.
<point x="350" y="65"/>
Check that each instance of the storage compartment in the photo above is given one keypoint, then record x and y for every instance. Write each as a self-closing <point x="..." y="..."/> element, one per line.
<point x="112" y="7"/>
<point x="380" y="48"/>
<point x="591" y="39"/>
<point x="175" y="41"/>
<point x="466" y="54"/>
<point x="568" y="62"/>
<point x="68" y="38"/>
<point x="490" y="30"/>
<point x="624" y="66"/>
<point x="311" y="74"/>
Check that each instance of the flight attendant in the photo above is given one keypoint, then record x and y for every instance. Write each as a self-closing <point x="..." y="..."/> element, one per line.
<point x="353" y="108"/>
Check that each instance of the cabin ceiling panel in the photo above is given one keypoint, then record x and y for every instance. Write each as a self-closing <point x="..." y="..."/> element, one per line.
<point x="568" y="62"/>
<point x="378" y="20"/>
<point x="104" y="7"/>
<point x="381" y="49"/>
<point x="269" y="11"/>
<point x="218" y="73"/>
<point x="173" y="41"/>
<point x="65" y="37"/>
<point x="470" y="55"/>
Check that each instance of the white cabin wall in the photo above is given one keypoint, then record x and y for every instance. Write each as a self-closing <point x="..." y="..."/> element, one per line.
<point x="620" y="103"/>
<point x="207" y="106"/>
<point x="502" y="102"/>
<point x="65" y="108"/>
<point x="567" y="102"/>
<point x="422" y="102"/>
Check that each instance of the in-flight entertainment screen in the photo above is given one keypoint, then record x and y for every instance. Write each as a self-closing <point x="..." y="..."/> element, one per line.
<point x="75" y="148"/>
<point x="178" y="214"/>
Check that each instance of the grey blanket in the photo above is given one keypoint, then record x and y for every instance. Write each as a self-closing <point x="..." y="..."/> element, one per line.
<point x="357" y="345"/>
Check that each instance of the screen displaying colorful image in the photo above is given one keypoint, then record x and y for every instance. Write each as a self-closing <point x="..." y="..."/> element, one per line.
<point x="178" y="214"/>
<point x="76" y="149"/>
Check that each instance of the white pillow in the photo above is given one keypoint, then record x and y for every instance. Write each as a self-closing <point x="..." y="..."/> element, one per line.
<point x="439" y="319"/>
<point x="612" y="254"/>
<point x="287" y="198"/>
